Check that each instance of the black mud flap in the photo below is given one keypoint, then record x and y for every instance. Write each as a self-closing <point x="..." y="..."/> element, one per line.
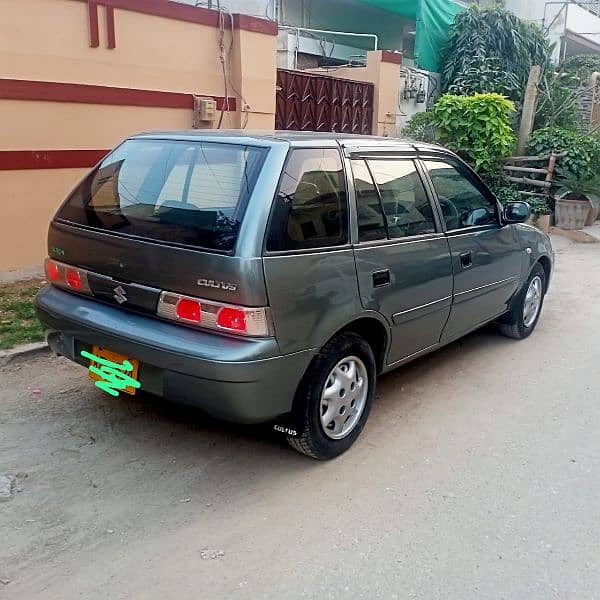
<point x="289" y="425"/>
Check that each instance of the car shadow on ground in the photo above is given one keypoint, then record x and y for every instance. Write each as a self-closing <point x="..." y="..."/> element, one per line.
<point x="189" y="423"/>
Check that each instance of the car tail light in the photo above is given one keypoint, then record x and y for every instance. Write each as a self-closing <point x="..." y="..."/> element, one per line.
<point x="215" y="315"/>
<point x="189" y="310"/>
<point x="232" y="318"/>
<point x="73" y="278"/>
<point x="52" y="271"/>
<point x="67" y="276"/>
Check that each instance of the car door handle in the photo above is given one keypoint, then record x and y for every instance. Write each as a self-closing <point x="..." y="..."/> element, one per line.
<point x="381" y="278"/>
<point x="466" y="260"/>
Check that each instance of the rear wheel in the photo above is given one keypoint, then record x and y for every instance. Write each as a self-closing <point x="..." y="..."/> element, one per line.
<point x="520" y="322"/>
<point x="336" y="395"/>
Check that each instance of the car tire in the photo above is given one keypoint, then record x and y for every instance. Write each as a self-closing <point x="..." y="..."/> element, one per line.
<point x="335" y="397"/>
<point x="522" y="318"/>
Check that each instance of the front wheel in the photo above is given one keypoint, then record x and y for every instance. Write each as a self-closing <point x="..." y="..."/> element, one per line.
<point x="336" y="394"/>
<point x="521" y="320"/>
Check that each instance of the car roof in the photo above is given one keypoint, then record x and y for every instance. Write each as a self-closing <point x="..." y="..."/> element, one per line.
<point x="352" y="142"/>
<point x="281" y="135"/>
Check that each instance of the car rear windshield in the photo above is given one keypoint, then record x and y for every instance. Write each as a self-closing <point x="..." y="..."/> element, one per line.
<point x="184" y="192"/>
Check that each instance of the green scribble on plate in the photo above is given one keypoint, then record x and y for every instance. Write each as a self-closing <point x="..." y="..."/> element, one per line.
<point x="114" y="376"/>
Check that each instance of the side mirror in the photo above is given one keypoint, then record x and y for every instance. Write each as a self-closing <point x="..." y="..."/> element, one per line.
<point x="516" y="212"/>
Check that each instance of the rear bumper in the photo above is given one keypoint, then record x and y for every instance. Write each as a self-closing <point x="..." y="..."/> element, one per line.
<point x="241" y="380"/>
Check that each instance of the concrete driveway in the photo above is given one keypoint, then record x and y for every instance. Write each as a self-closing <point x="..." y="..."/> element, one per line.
<point x="477" y="476"/>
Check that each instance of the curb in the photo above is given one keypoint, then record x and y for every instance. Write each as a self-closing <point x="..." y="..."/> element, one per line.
<point x="22" y="274"/>
<point x="7" y="356"/>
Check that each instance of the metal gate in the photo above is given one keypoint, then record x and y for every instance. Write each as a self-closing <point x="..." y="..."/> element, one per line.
<point x="310" y="102"/>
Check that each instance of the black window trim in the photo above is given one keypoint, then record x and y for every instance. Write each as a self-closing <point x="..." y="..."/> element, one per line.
<point x="437" y="217"/>
<point x="471" y="176"/>
<point x="336" y="247"/>
<point x="408" y="239"/>
<point x="65" y="223"/>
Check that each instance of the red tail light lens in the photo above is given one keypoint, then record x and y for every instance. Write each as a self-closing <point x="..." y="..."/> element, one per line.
<point x="232" y="318"/>
<point x="67" y="277"/>
<point x="190" y="310"/>
<point x="74" y="279"/>
<point x="52" y="271"/>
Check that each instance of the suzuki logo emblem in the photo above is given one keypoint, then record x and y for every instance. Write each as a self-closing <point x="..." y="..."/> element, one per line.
<point x="119" y="295"/>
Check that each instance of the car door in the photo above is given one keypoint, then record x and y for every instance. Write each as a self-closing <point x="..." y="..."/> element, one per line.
<point x="486" y="257"/>
<point x="308" y="259"/>
<point x="402" y="256"/>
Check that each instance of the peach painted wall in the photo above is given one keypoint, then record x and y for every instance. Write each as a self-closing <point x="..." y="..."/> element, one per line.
<point x="385" y="75"/>
<point x="151" y="52"/>
<point x="56" y="125"/>
<point x="29" y="200"/>
<point x="254" y="64"/>
<point x="49" y="41"/>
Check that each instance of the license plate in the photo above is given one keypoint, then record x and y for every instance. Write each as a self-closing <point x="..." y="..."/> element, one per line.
<point x="112" y="372"/>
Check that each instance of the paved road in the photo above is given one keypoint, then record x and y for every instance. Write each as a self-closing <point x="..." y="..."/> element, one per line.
<point x="477" y="476"/>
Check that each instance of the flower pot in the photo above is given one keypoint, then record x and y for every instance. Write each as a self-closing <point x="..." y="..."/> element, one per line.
<point x="592" y="215"/>
<point x="594" y="208"/>
<point x="571" y="214"/>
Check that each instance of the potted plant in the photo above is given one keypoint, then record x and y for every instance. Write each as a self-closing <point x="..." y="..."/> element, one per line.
<point x="573" y="205"/>
<point x="540" y="212"/>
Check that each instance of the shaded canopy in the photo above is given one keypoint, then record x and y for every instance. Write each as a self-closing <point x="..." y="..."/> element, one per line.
<point x="434" y="19"/>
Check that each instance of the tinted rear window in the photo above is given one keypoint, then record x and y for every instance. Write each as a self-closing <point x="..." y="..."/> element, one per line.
<point x="192" y="193"/>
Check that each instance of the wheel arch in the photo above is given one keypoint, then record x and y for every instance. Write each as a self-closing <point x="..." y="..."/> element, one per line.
<point x="374" y="332"/>
<point x="546" y="264"/>
<point x="373" y="328"/>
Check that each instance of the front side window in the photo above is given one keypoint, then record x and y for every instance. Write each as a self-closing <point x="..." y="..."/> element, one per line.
<point x="310" y="209"/>
<point x="463" y="204"/>
<point x="406" y="206"/>
<point x="192" y="193"/>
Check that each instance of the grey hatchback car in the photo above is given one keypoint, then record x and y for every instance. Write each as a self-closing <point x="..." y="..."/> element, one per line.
<point x="270" y="277"/>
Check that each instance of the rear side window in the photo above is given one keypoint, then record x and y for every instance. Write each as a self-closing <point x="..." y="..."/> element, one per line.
<point x="310" y="209"/>
<point x="192" y="193"/>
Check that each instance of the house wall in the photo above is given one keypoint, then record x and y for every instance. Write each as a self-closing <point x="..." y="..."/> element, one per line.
<point x="67" y="95"/>
<point x="558" y="17"/>
<point x="257" y="8"/>
<point x="383" y="70"/>
<point x="346" y="15"/>
<point x="338" y="15"/>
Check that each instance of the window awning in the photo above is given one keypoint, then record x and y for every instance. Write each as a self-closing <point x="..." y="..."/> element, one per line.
<point x="433" y="18"/>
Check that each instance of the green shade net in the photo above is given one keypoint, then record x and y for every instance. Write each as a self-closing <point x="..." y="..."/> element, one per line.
<point x="434" y="19"/>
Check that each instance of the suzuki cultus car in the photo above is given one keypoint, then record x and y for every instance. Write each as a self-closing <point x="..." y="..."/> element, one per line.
<point x="272" y="277"/>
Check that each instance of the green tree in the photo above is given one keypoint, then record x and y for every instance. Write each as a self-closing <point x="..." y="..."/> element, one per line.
<point x="561" y="92"/>
<point x="508" y="46"/>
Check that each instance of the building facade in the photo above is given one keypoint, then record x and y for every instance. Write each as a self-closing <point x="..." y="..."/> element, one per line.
<point x="573" y="26"/>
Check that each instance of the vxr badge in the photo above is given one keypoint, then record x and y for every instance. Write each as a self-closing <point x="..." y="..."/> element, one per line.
<point x="119" y="294"/>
